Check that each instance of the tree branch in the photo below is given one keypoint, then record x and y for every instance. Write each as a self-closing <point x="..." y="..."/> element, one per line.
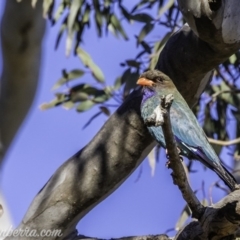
<point x="178" y="174"/>
<point x="217" y="94"/>
<point x="218" y="221"/>
<point x="224" y="143"/>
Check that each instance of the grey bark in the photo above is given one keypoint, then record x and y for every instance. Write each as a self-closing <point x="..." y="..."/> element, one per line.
<point x="75" y="236"/>
<point x="22" y="31"/>
<point x="122" y="143"/>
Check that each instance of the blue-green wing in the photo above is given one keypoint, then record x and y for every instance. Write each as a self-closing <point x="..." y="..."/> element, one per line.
<point x="147" y="110"/>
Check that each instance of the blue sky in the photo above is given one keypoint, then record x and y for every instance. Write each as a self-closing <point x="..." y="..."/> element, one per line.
<point x="47" y="139"/>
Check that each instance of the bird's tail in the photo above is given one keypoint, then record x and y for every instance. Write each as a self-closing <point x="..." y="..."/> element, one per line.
<point x="220" y="170"/>
<point x="226" y="176"/>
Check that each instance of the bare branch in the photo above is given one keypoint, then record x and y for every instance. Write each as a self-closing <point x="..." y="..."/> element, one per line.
<point x="224" y="143"/>
<point x="217" y="94"/>
<point x="179" y="175"/>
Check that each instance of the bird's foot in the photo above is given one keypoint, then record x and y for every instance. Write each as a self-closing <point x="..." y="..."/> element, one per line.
<point x="167" y="164"/>
<point x="169" y="161"/>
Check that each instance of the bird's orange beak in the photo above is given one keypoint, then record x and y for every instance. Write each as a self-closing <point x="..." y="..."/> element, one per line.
<point x="145" y="82"/>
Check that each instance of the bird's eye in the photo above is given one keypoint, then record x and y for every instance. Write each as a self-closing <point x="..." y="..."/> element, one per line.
<point x="159" y="79"/>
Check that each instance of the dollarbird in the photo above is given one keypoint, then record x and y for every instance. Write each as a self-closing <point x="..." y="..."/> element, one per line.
<point x="190" y="137"/>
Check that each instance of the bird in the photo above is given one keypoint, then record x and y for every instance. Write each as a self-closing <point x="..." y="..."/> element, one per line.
<point x="189" y="135"/>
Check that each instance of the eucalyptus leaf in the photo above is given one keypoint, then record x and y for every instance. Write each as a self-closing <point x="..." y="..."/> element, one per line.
<point x="85" y="105"/>
<point x="47" y="7"/>
<point x="145" y="31"/>
<point x="125" y="13"/>
<point x="59" y="11"/>
<point x="166" y="7"/>
<point x="62" y="29"/>
<point x="142" y="17"/>
<point x="105" y="110"/>
<point x="99" y="22"/>
<point x="75" y="73"/>
<point x="117" y="25"/>
<point x="86" y="15"/>
<point x="130" y="83"/>
<point x="117" y="83"/>
<point x="88" y="62"/>
<point x="74" y="9"/>
<point x="101" y="98"/>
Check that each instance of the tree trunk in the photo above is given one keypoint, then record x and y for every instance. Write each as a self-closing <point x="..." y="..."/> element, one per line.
<point x="22" y="31"/>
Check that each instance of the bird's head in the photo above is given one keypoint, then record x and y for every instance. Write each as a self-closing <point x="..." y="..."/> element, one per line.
<point x="155" y="79"/>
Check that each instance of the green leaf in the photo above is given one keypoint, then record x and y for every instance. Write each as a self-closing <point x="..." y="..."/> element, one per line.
<point x="117" y="83"/>
<point x="33" y="3"/>
<point x="47" y="7"/>
<point x="59" y="12"/>
<point x="217" y="148"/>
<point x="157" y="50"/>
<point x="85" y="105"/>
<point x="117" y="25"/>
<point x="145" y="31"/>
<point x="107" y="3"/>
<point x="62" y="29"/>
<point x="133" y="63"/>
<point x="98" y="21"/>
<point x="86" y="15"/>
<point x="233" y="59"/>
<point x="68" y="105"/>
<point x="105" y="110"/>
<point x="79" y="96"/>
<point x="146" y="47"/>
<point x="126" y="75"/>
<point x="166" y="7"/>
<point x="75" y="73"/>
<point x="142" y="17"/>
<point x="60" y="99"/>
<point x="131" y="80"/>
<point x="74" y="9"/>
<point x="125" y="13"/>
<point x="228" y="96"/>
<point x="101" y="98"/>
<point x="88" y="62"/>
<point x="96" y="72"/>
